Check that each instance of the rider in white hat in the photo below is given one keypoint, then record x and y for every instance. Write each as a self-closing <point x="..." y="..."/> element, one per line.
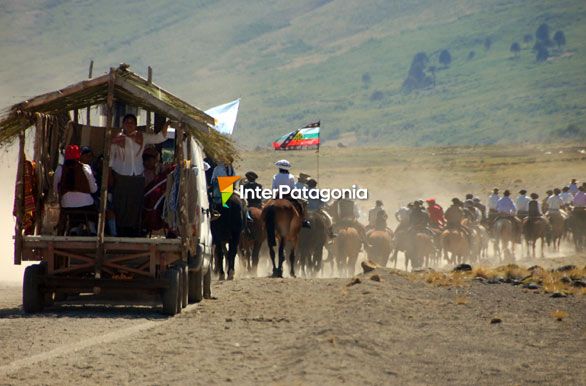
<point x="283" y="177"/>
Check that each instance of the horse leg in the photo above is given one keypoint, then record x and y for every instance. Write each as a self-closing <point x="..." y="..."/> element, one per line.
<point x="281" y="257"/>
<point x="231" y="256"/>
<point x="272" y="253"/>
<point x="292" y="261"/>
<point x="254" y="258"/>
<point x="220" y="261"/>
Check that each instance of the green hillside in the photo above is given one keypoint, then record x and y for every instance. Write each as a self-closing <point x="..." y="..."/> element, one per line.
<point x="338" y="61"/>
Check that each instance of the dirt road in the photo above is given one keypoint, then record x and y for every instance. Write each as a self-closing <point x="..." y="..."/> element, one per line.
<point x="297" y="331"/>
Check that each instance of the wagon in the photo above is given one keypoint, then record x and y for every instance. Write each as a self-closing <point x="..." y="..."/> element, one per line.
<point x="175" y="265"/>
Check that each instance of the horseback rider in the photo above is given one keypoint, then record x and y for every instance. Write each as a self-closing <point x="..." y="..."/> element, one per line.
<point x="555" y="203"/>
<point x="580" y="198"/>
<point x="573" y="188"/>
<point x="346" y="214"/>
<point x="436" y="214"/>
<point x="544" y="204"/>
<point x="534" y="208"/>
<point x="493" y="200"/>
<point x="478" y="205"/>
<point x="419" y="219"/>
<point x="302" y="181"/>
<point x="253" y="200"/>
<point x="373" y="213"/>
<point x="454" y="217"/>
<point x="567" y="198"/>
<point x="522" y="204"/>
<point x="284" y="178"/>
<point x="316" y="205"/>
<point x="471" y="212"/>
<point x="507" y="209"/>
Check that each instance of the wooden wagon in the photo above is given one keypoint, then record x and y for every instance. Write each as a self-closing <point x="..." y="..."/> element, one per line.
<point x="177" y="268"/>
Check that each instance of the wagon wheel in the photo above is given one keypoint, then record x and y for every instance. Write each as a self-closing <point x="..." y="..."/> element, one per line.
<point x="171" y="293"/>
<point x="33" y="297"/>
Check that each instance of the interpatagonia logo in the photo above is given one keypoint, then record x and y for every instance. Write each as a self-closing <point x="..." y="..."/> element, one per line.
<point x="226" y="185"/>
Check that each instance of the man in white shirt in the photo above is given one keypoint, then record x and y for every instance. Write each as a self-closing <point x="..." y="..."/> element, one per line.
<point x="493" y="200"/>
<point x="566" y="196"/>
<point x="522" y="204"/>
<point x="127" y="167"/>
<point x="554" y="202"/>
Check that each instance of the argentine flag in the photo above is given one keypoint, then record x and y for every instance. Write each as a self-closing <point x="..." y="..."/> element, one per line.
<point x="225" y="116"/>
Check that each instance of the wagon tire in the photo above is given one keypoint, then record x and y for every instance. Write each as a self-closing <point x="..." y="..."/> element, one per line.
<point x="33" y="296"/>
<point x="171" y="293"/>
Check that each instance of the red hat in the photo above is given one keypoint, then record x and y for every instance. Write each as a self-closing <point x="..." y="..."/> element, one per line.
<point x="430" y="200"/>
<point x="72" y="152"/>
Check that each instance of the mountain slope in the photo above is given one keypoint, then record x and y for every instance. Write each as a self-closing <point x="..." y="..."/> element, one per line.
<point x="339" y="61"/>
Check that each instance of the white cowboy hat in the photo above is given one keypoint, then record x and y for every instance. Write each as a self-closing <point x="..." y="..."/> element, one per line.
<point x="283" y="164"/>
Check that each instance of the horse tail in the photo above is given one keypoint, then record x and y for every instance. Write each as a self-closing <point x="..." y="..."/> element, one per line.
<point x="271" y="214"/>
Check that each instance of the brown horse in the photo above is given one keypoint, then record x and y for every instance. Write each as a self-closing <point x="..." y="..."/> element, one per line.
<point x="419" y="249"/>
<point x="456" y="243"/>
<point x="533" y="230"/>
<point x="379" y="245"/>
<point x="251" y="243"/>
<point x="282" y="220"/>
<point x="557" y="221"/>
<point x="577" y="225"/>
<point x="346" y="248"/>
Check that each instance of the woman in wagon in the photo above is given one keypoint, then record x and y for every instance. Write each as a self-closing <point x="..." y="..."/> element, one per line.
<point x="127" y="168"/>
<point x="74" y="182"/>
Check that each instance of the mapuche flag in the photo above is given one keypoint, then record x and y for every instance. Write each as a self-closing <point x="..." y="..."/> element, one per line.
<point x="305" y="138"/>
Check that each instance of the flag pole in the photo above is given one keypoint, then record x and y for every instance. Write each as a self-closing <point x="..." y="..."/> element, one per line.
<point x="317" y="152"/>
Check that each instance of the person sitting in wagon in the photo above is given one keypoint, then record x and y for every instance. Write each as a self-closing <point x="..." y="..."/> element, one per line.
<point x="74" y="182"/>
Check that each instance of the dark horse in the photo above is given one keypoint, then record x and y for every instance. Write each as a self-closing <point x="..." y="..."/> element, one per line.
<point x="311" y="245"/>
<point x="282" y="220"/>
<point x="577" y="224"/>
<point x="226" y="230"/>
<point x="251" y="243"/>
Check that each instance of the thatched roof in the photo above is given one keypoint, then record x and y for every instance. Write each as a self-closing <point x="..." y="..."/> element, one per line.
<point x="129" y="88"/>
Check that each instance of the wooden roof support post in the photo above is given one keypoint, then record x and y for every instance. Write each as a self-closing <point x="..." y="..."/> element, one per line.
<point x="148" y="113"/>
<point x="18" y="230"/>
<point x="105" y="174"/>
<point x="87" y="113"/>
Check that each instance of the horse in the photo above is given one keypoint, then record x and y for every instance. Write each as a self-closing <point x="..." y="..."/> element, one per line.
<point x="251" y="243"/>
<point x="311" y="244"/>
<point x="419" y="250"/>
<point x="282" y="219"/>
<point x="346" y="248"/>
<point x="577" y="225"/>
<point x="503" y="233"/>
<point x="557" y="221"/>
<point x="534" y="229"/>
<point x="456" y="243"/>
<point x="226" y="230"/>
<point x="379" y="245"/>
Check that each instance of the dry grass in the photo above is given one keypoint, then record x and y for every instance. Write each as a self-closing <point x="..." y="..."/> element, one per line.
<point x="461" y="300"/>
<point x="559" y="315"/>
<point x="550" y="281"/>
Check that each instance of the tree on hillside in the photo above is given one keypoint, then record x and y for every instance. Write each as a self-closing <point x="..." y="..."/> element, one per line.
<point x="560" y="39"/>
<point x="487" y="43"/>
<point x="541" y="52"/>
<point x="528" y="38"/>
<point x="542" y="35"/>
<point x="445" y="58"/>
<point x="416" y="78"/>
<point x="515" y="49"/>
